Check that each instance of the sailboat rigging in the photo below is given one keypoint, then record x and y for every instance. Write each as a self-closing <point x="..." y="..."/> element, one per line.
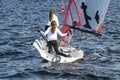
<point x="87" y="16"/>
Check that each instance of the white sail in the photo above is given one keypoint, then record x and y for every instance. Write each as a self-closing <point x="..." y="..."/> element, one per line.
<point x="86" y="13"/>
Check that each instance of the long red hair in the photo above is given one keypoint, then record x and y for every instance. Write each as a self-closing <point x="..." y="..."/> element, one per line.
<point x="54" y="25"/>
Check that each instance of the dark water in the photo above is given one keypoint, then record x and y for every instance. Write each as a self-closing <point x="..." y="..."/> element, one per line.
<point x="19" y="60"/>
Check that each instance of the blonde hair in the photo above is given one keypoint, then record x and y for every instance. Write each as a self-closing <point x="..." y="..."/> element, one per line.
<point x="52" y="11"/>
<point x="54" y="25"/>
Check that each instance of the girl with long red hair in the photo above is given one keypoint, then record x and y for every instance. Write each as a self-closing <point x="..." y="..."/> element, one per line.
<point x="51" y="33"/>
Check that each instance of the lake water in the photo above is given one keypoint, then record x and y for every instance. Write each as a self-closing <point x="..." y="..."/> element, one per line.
<point x="19" y="60"/>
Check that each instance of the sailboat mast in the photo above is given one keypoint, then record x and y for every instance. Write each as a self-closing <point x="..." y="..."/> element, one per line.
<point x="72" y="32"/>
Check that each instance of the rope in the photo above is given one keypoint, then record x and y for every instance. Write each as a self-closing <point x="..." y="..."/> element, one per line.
<point x="81" y="41"/>
<point x="84" y="40"/>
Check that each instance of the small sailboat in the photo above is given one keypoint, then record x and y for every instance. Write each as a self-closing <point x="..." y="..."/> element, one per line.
<point x="83" y="15"/>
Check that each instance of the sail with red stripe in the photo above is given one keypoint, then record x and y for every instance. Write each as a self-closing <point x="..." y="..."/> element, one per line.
<point x="72" y="16"/>
<point x="87" y="14"/>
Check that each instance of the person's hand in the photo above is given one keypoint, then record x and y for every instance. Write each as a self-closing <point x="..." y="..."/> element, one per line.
<point x="38" y="30"/>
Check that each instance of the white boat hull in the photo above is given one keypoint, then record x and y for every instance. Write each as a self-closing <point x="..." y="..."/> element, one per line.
<point x="43" y="50"/>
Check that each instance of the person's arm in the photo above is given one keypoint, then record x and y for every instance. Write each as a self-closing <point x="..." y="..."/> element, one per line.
<point x="46" y="27"/>
<point x="49" y="23"/>
<point x="60" y="33"/>
<point x="46" y="32"/>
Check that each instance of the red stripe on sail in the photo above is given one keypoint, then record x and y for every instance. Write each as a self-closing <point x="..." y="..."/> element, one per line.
<point x="78" y="14"/>
<point x="75" y="23"/>
<point x="99" y="27"/>
<point x="64" y="28"/>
